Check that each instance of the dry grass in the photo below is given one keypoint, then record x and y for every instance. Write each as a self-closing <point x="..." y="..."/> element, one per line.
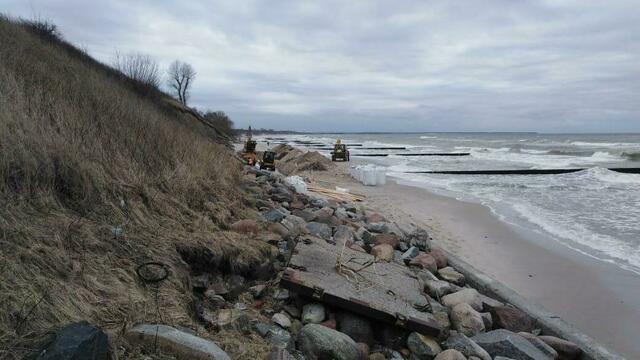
<point x="81" y="153"/>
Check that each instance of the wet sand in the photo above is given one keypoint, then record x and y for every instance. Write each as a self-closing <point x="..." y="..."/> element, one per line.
<point x="598" y="298"/>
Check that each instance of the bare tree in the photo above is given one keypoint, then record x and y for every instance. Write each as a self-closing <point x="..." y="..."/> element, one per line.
<point x="181" y="76"/>
<point x="139" y="67"/>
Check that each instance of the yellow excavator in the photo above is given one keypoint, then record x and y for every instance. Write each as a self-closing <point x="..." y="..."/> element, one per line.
<point x="340" y="152"/>
<point x="249" y="151"/>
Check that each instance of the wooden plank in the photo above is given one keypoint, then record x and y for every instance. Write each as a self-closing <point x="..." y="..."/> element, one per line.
<point x="386" y="292"/>
<point x="521" y="171"/>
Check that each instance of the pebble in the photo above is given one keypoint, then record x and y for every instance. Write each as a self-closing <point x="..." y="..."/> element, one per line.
<point x="282" y="320"/>
<point x="313" y="313"/>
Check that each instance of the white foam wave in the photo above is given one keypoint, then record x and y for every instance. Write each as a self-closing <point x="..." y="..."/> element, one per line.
<point x="605" y="144"/>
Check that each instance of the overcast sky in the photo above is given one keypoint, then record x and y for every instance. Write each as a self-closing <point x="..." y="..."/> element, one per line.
<point x="510" y="65"/>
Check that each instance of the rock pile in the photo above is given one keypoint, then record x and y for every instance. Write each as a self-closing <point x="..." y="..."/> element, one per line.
<point x="252" y="307"/>
<point x="475" y="326"/>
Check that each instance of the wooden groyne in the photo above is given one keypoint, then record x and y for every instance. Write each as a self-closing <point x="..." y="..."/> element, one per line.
<point x="415" y="154"/>
<point x="521" y="171"/>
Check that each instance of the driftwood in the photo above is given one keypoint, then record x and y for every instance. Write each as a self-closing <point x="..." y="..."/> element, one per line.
<point x="335" y="195"/>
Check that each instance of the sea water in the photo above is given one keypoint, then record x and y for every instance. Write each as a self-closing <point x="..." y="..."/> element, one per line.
<point x="595" y="211"/>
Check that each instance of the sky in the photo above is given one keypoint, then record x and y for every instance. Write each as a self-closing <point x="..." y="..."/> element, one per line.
<point x="335" y="65"/>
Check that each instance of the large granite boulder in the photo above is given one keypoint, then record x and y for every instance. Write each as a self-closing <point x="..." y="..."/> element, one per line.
<point x="450" y="354"/>
<point x="319" y="229"/>
<point x="178" y="343"/>
<point x="273" y="215"/>
<point x="512" y="319"/>
<point x="451" y="275"/>
<point x="391" y="239"/>
<point x="382" y="252"/>
<point x="425" y="261"/>
<point x="79" y="340"/>
<point x="422" y="347"/>
<point x="466" y="346"/>
<point x="466" y="320"/>
<point x="357" y="327"/>
<point x="319" y="342"/>
<point x="468" y="296"/>
<point x="566" y="349"/>
<point x="541" y="345"/>
<point x="506" y="343"/>
<point x="437" y="288"/>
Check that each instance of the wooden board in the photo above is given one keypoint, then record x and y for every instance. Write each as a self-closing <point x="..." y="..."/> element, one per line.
<point x="386" y="292"/>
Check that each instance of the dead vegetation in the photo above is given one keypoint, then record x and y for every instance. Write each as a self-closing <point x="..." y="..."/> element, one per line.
<point x="98" y="176"/>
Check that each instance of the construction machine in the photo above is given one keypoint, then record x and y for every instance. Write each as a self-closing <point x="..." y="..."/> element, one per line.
<point x="268" y="160"/>
<point x="249" y="151"/>
<point x="340" y="152"/>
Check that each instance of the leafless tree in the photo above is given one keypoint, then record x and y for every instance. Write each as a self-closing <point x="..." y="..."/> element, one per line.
<point x="181" y="76"/>
<point x="139" y="67"/>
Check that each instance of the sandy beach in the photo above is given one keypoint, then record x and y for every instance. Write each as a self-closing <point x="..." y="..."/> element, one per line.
<point x="597" y="297"/>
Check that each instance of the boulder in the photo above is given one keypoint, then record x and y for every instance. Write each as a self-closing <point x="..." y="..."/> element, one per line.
<point x="423" y="347"/>
<point x="312" y="313"/>
<point x="323" y="215"/>
<point x="281" y="294"/>
<point x="318" y="342"/>
<point x="343" y="234"/>
<point x="466" y="320"/>
<point x="505" y="343"/>
<point x="281" y="319"/>
<point x="566" y="349"/>
<point x="466" y="346"/>
<point x="390" y="239"/>
<point x="424" y="261"/>
<point x="450" y="354"/>
<point x="319" y="229"/>
<point x="278" y="229"/>
<point x="245" y="226"/>
<point x="410" y="253"/>
<point x="257" y="290"/>
<point x="374" y="218"/>
<point x="273" y="215"/>
<point x="305" y="214"/>
<point x="441" y="258"/>
<point x="392" y="336"/>
<point x="365" y="236"/>
<point x="175" y="342"/>
<point x="488" y="321"/>
<point x="382" y="252"/>
<point x="380" y="227"/>
<point x="541" y="345"/>
<point x="467" y="295"/>
<point x="341" y="213"/>
<point x="437" y="288"/>
<point x="419" y="239"/>
<point x="79" y="340"/>
<point x="292" y="310"/>
<point x="451" y="275"/>
<point x="357" y="327"/>
<point x="488" y="303"/>
<point x="512" y="319"/>
<point x="275" y="335"/>
<point x="294" y="224"/>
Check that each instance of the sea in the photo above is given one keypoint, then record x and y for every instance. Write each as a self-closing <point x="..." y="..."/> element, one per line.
<point x="594" y="211"/>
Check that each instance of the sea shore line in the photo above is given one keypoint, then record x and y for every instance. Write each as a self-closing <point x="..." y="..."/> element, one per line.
<point x="595" y="296"/>
<point x="374" y="227"/>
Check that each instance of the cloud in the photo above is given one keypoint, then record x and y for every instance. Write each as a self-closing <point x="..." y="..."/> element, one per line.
<point x="491" y="65"/>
